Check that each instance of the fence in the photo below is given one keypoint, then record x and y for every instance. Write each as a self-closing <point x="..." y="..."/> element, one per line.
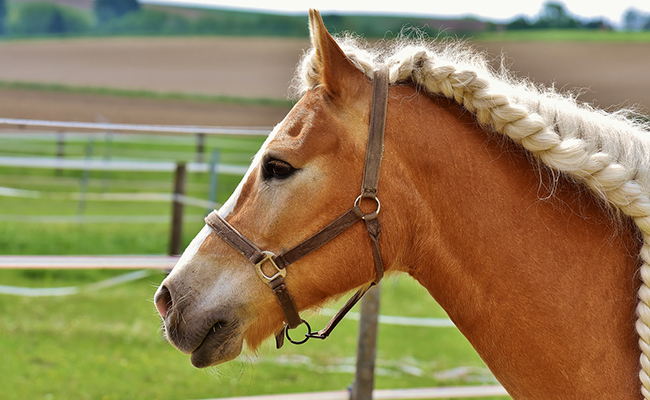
<point x="61" y="132"/>
<point x="369" y="317"/>
<point x="110" y="127"/>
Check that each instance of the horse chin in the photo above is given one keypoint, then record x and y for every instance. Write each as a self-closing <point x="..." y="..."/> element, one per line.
<point x="221" y="344"/>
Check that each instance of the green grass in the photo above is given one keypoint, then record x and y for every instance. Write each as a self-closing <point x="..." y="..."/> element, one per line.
<point x="143" y="94"/>
<point x="107" y="344"/>
<point x="577" y="35"/>
<point x="43" y="238"/>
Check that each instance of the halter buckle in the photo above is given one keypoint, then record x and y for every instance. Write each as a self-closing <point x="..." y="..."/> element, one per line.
<point x="278" y="272"/>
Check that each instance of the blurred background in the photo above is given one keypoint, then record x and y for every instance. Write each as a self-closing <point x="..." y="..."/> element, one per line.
<point x="100" y="101"/>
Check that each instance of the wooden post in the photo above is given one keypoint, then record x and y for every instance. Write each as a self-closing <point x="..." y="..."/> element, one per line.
<point x="364" y="380"/>
<point x="200" y="147"/>
<point x="175" y="241"/>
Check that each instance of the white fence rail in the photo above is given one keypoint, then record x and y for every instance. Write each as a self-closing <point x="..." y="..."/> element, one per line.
<point x="88" y="262"/>
<point x="175" y="129"/>
<point x="77" y="196"/>
<point x="391" y="394"/>
<point x="105" y="165"/>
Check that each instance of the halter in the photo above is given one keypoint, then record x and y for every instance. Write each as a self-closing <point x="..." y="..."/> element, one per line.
<point x="277" y="263"/>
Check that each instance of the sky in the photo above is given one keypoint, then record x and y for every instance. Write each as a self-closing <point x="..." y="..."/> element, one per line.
<point x="495" y="10"/>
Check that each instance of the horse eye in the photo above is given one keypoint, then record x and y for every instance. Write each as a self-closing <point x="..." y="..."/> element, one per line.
<point x="273" y="168"/>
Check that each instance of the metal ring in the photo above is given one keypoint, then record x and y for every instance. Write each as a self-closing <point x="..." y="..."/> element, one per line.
<point x="286" y="333"/>
<point x="371" y="215"/>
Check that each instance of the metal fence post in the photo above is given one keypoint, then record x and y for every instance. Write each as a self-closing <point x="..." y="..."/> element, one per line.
<point x="200" y="147"/>
<point x="60" y="148"/>
<point x="108" y="142"/>
<point x="214" y="162"/>
<point x="175" y="240"/>
<point x="85" y="177"/>
<point x="364" y="379"/>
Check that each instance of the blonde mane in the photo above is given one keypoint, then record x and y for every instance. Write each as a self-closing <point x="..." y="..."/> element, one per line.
<point x="609" y="152"/>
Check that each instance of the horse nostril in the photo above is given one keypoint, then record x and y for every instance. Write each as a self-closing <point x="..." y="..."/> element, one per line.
<point x="163" y="300"/>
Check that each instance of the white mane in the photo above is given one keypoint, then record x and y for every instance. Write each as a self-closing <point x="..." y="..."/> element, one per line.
<point x="609" y="152"/>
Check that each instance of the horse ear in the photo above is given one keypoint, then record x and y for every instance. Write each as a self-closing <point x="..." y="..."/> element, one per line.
<point x="335" y="69"/>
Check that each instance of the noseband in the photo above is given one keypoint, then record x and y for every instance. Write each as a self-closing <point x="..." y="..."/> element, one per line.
<point x="272" y="268"/>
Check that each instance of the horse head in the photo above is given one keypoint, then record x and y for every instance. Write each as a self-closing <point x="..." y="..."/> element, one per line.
<point x="306" y="174"/>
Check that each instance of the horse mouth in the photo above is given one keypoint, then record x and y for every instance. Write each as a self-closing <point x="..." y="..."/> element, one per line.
<point x="221" y="343"/>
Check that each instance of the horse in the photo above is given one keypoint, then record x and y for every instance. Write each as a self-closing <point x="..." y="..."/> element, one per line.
<point x="524" y="213"/>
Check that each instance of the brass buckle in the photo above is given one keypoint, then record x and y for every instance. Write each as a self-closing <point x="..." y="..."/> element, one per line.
<point x="268" y="257"/>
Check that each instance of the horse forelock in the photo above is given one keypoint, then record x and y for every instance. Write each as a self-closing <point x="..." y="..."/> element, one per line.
<point x="608" y="151"/>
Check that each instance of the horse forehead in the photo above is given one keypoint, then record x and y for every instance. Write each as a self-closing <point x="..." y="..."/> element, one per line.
<point x="315" y="125"/>
<point x="305" y="116"/>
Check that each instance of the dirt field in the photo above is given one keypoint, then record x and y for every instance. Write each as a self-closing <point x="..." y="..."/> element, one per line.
<point x="249" y="67"/>
<point x="613" y="74"/>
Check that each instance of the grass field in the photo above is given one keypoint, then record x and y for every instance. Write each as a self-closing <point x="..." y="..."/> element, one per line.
<point x="145" y="94"/>
<point x="577" y="35"/>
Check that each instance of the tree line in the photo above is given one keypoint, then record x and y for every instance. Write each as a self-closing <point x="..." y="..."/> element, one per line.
<point x="43" y="18"/>
<point x="555" y="16"/>
<point x="110" y="17"/>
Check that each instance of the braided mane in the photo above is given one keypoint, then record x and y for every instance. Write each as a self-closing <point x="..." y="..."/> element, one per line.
<point x="609" y="152"/>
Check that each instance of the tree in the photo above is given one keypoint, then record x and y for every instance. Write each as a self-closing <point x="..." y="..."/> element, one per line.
<point x="520" y="23"/>
<point x="106" y="10"/>
<point x="3" y="16"/>
<point x="57" y="23"/>
<point x="635" y="20"/>
<point x="554" y="16"/>
<point x="43" y="18"/>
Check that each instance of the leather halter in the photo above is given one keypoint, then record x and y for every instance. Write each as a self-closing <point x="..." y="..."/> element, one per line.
<point x="265" y="261"/>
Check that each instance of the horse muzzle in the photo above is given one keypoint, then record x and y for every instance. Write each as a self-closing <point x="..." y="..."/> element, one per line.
<point x="209" y="336"/>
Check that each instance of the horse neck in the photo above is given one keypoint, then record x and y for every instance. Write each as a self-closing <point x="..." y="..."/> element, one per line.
<point x="533" y="271"/>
